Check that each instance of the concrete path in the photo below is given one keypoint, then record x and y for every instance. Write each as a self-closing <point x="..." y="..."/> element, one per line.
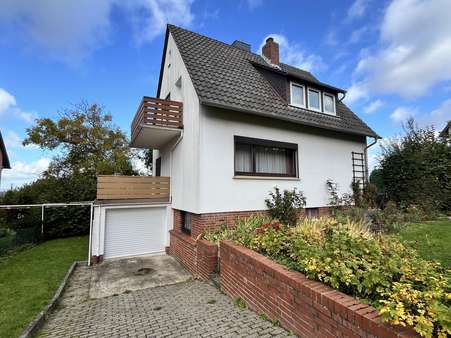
<point x="115" y="277"/>
<point x="187" y="309"/>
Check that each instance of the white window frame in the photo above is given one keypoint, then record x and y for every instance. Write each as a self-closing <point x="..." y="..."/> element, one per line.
<point x="334" y="112"/>
<point x="319" y="97"/>
<point x="291" y="94"/>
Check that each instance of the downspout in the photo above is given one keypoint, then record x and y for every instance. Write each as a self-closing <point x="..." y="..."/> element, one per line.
<point x="170" y="164"/>
<point x="366" y="157"/>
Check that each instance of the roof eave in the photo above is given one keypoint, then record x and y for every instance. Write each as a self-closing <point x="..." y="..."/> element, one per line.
<point x="284" y="118"/>
<point x="163" y="60"/>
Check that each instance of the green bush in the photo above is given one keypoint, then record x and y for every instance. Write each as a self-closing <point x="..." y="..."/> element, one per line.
<point x="379" y="270"/>
<point x="287" y="206"/>
<point x="387" y="220"/>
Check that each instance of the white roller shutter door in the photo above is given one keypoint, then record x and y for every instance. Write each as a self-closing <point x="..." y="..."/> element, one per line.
<point x="134" y="231"/>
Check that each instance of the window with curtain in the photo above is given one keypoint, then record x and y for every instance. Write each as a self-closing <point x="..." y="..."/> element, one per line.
<point x="314" y="101"/>
<point x="256" y="157"/>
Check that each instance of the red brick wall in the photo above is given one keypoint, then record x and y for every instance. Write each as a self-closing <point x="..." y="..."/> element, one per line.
<point x="199" y="257"/>
<point x="306" y="307"/>
<point x="210" y="221"/>
<point x="213" y="221"/>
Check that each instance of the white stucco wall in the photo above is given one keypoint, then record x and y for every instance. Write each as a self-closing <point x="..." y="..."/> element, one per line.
<point x="183" y="165"/>
<point x="320" y="158"/>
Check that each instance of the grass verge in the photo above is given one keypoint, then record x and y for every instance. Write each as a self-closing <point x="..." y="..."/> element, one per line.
<point x="432" y="240"/>
<point x="29" y="278"/>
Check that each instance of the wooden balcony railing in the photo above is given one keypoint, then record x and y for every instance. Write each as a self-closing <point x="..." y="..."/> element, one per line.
<point x="158" y="112"/>
<point x="132" y="187"/>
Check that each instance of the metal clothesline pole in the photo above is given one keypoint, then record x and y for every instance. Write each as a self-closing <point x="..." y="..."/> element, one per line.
<point x="42" y="220"/>
<point x="50" y="205"/>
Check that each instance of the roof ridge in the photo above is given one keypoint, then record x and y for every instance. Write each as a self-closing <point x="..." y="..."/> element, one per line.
<point x="211" y="39"/>
<point x="229" y="45"/>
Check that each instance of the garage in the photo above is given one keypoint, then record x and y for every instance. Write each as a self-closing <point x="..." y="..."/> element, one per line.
<point x="129" y="230"/>
<point x="137" y="231"/>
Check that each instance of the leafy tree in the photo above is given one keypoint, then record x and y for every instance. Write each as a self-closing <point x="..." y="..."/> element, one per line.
<point x="88" y="142"/>
<point x="416" y="169"/>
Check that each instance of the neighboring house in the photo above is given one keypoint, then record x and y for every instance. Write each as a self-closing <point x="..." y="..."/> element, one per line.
<point x="229" y="125"/>
<point x="4" y="160"/>
<point x="446" y="132"/>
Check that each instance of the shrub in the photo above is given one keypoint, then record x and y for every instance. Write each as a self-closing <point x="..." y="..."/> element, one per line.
<point x="387" y="220"/>
<point x="380" y="270"/>
<point x="287" y="206"/>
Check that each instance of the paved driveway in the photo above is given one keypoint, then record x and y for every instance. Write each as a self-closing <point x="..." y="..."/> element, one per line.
<point x="187" y="309"/>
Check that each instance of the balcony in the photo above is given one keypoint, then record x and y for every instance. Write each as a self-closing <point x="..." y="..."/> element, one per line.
<point x="156" y="123"/>
<point x="132" y="188"/>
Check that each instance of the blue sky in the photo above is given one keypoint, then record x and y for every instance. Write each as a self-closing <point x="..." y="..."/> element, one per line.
<point x="393" y="57"/>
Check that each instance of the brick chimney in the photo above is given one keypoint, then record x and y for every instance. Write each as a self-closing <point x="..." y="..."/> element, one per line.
<point x="271" y="50"/>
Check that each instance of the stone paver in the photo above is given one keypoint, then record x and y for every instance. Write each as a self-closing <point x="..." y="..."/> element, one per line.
<point x="189" y="309"/>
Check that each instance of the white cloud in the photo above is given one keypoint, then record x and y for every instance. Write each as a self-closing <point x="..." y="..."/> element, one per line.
<point x="357" y="34"/>
<point x="149" y="17"/>
<point x="8" y="106"/>
<point x="254" y="3"/>
<point x="356" y="92"/>
<point x="438" y="117"/>
<point x="12" y="140"/>
<point x="357" y="9"/>
<point x="294" y="55"/>
<point x="6" y="100"/>
<point x="401" y="114"/>
<point x="414" y="50"/>
<point x="71" y="30"/>
<point x="23" y="172"/>
<point x="373" y="106"/>
<point x="331" y="38"/>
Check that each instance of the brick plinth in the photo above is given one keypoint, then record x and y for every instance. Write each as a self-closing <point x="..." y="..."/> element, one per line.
<point x="210" y="221"/>
<point x="306" y="307"/>
<point x="200" y="257"/>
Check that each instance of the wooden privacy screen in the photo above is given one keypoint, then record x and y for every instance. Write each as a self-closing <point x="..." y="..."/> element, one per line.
<point x="132" y="187"/>
<point x="158" y="112"/>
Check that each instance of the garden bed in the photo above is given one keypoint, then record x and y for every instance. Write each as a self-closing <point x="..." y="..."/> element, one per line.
<point x="376" y="270"/>
<point x="306" y="307"/>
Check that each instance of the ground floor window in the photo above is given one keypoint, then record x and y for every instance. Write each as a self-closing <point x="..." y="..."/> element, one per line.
<point x="186" y="222"/>
<point x="257" y="157"/>
<point x="312" y="212"/>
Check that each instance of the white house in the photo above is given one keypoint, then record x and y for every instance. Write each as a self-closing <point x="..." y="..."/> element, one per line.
<point x="229" y="125"/>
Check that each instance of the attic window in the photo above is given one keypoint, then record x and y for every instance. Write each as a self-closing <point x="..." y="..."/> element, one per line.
<point x="329" y="103"/>
<point x="314" y="99"/>
<point x="297" y="95"/>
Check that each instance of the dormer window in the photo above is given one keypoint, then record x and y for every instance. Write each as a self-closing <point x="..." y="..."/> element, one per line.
<point x="297" y="95"/>
<point x="329" y="103"/>
<point x="314" y="99"/>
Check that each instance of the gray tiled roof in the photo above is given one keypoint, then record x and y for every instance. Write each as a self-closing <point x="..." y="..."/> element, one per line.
<point x="224" y="76"/>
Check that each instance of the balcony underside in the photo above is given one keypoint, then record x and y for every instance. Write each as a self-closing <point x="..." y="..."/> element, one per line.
<point x="154" y="137"/>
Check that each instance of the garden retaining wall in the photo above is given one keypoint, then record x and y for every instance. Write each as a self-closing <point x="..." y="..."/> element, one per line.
<point x="199" y="257"/>
<point x="306" y="307"/>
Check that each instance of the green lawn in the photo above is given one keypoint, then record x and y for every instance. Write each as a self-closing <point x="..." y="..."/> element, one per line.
<point x="432" y="240"/>
<point x="29" y="279"/>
